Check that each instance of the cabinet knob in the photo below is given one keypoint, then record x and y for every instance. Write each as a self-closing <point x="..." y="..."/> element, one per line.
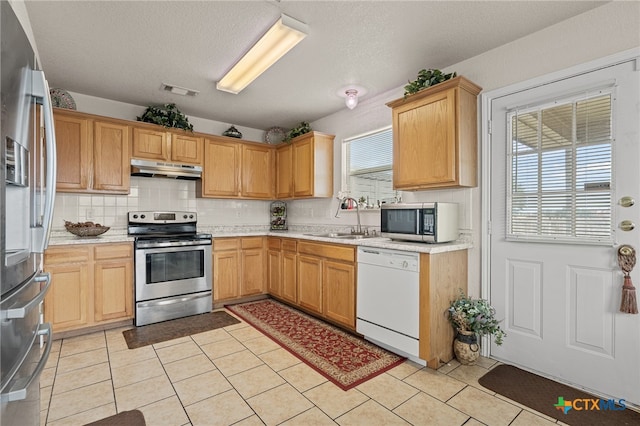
<point x="627" y="225"/>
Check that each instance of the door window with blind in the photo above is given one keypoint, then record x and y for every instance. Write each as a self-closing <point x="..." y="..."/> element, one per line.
<point x="368" y="165"/>
<point x="559" y="171"/>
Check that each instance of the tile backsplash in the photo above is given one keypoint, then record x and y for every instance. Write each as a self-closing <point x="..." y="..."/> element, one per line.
<point x="157" y="194"/>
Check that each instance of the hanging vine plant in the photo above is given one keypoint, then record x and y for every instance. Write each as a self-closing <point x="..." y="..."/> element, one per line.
<point x="427" y="78"/>
<point x="300" y="129"/>
<point x="167" y="115"/>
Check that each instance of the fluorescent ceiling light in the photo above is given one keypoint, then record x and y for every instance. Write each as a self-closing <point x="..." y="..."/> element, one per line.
<point x="274" y="44"/>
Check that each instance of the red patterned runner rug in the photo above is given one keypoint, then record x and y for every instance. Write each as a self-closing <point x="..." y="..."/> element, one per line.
<point x="343" y="358"/>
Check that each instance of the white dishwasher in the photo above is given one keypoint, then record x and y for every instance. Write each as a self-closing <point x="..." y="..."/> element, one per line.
<point x="388" y="298"/>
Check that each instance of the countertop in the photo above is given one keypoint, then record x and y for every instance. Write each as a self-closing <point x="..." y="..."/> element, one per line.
<point x="120" y="235"/>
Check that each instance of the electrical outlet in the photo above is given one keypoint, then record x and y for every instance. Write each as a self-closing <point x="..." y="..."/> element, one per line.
<point x="89" y="214"/>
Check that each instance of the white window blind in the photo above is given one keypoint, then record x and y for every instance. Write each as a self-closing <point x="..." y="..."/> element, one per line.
<point x="559" y="171"/>
<point x="368" y="166"/>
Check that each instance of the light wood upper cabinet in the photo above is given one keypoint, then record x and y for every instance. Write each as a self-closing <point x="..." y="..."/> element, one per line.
<point x="237" y="170"/>
<point x="284" y="171"/>
<point x="92" y="284"/>
<point x="307" y="171"/>
<point x="435" y="137"/>
<point x="256" y="171"/>
<point x="221" y="170"/>
<point x="111" y="163"/>
<point x="73" y="150"/>
<point x="161" y="145"/>
<point x="93" y="154"/>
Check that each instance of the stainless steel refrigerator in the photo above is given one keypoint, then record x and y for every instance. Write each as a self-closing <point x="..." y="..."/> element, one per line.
<point x="27" y="192"/>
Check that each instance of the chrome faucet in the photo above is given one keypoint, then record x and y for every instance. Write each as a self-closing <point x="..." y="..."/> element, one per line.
<point x="340" y="202"/>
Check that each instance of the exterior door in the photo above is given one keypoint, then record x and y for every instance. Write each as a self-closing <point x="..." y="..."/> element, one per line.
<point x="559" y="291"/>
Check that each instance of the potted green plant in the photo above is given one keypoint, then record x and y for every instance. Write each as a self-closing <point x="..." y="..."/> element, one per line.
<point x="472" y="318"/>
<point x="300" y="129"/>
<point x="427" y="78"/>
<point x="167" y="115"/>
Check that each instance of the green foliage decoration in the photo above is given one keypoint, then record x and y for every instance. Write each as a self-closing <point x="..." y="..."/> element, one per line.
<point x="476" y="316"/>
<point x="300" y="129"/>
<point x="427" y="78"/>
<point x="167" y="115"/>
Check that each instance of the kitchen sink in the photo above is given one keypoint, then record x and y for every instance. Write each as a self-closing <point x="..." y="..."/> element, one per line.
<point x="342" y="235"/>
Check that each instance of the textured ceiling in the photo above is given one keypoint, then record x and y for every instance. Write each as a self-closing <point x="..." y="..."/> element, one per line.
<point x="124" y="50"/>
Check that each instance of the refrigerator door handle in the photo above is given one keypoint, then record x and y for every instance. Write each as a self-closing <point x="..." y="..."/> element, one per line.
<point x="19" y="390"/>
<point x="41" y="90"/>
<point x="21" y="311"/>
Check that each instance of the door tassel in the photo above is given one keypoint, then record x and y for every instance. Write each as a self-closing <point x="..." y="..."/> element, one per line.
<point x="629" y="304"/>
<point x="627" y="260"/>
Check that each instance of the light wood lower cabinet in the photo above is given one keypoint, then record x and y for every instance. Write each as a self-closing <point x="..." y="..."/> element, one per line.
<point x="442" y="276"/>
<point x="91" y="284"/>
<point x="327" y="281"/>
<point x="289" y="270"/>
<point x="239" y="267"/>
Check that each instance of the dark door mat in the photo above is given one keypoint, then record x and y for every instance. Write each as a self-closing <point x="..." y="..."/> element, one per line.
<point x="548" y="397"/>
<point x="125" y="418"/>
<point x="174" y="329"/>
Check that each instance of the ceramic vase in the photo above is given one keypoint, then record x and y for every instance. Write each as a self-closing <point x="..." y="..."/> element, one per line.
<point x="466" y="348"/>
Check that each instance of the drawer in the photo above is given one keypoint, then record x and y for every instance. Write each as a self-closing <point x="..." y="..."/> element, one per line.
<point x="252" y="242"/>
<point x="289" y="245"/>
<point x="274" y="243"/>
<point x="226" y="244"/>
<point x="59" y="255"/>
<point x="113" y="251"/>
<point x="329" y="251"/>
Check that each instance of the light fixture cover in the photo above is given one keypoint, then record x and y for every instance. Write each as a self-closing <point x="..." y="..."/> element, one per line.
<point x="274" y="44"/>
<point x="352" y="98"/>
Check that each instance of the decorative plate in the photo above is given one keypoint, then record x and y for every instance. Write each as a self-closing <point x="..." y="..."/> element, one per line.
<point x="62" y="99"/>
<point x="274" y="135"/>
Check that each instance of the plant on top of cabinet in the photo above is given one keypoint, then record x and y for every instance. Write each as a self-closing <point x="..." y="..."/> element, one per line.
<point x="300" y="129"/>
<point x="167" y="115"/>
<point x="427" y="78"/>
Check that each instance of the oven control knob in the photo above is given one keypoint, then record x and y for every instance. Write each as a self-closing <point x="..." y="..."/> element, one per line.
<point x="190" y="216"/>
<point x="185" y="216"/>
<point x="135" y="216"/>
<point x="142" y="216"/>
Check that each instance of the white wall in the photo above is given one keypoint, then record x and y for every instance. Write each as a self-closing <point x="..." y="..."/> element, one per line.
<point x="612" y="28"/>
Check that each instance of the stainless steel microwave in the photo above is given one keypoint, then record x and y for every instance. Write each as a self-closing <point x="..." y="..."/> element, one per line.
<point x="426" y="222"/>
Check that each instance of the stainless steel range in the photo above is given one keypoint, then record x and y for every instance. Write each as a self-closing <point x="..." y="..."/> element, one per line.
<point x="172" y="266"/>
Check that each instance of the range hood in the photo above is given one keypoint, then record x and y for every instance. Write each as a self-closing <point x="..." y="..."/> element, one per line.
<point x="167" y="170"/>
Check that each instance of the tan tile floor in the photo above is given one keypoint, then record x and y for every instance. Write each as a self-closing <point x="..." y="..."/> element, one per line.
<point x="238" y="376"/>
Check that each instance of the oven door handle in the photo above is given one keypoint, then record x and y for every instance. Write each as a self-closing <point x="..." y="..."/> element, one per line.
<point x="158" y="244"/>
<point x="154" y="303"/>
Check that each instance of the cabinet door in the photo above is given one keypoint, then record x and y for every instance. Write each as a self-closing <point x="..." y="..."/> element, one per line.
<point x="111" y="162"/>
<point x="66" y="304"/>
<point x="289" y="276"/>
<point x="303" y="168"/>
<point x="113" y="290"/>
<point x="310" y="283"/>
<point x="339" y="289"/>
<point x="424" y="145"/>
<point x="253" y="271"/>
<point x="187" y="149"/>
<point x="73" y="148"/>
<point x="221" y="169"/>
<point x="274" y="272"/>
<point x="226" y="266"/>
<point x="257" y="171"/>
<point x="284" y="168"/>
<point x="150" y="144"/>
